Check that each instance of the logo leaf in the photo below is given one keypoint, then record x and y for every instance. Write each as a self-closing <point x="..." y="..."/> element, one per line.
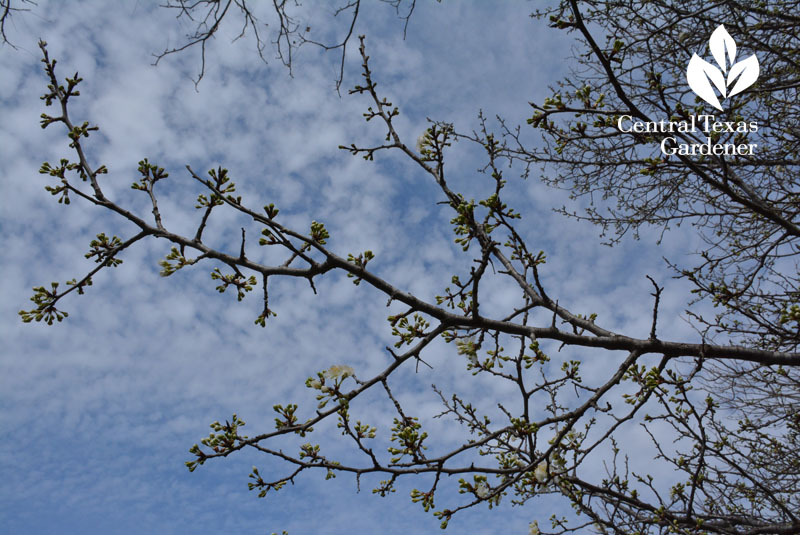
<point x="720" y="41"/>
<point x="698" y="74"/>
<point x="748" y="69"/>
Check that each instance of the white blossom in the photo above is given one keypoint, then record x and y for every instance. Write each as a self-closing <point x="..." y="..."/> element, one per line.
<point x="541" y="472"/>
<point x="423" y="141"/>
<point x="338" y="371"/>
<point x="315" y="384"/>
<point x="482" y="490"/>
<point x="467" y="347"/>
<point x="556" y="461"/>
<point x="573" y="437"/>
<point x="533" y="528"/>
<point x="514" y="460"/>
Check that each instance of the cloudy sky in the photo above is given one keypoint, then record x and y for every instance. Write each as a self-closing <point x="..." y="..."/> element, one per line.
<point x="99" y="412"/>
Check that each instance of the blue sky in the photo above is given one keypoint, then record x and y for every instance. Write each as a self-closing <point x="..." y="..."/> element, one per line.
<point x="99" y="411"/>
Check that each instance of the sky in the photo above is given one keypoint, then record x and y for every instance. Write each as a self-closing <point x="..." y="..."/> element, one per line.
<point x="99" y="411"/>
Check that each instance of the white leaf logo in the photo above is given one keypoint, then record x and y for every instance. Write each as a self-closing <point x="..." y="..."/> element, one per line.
<point x="719" y="42"/>
<point x="748" y="69"/>
<point x="701" y="74"/>
<point x="698" y="75"/>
